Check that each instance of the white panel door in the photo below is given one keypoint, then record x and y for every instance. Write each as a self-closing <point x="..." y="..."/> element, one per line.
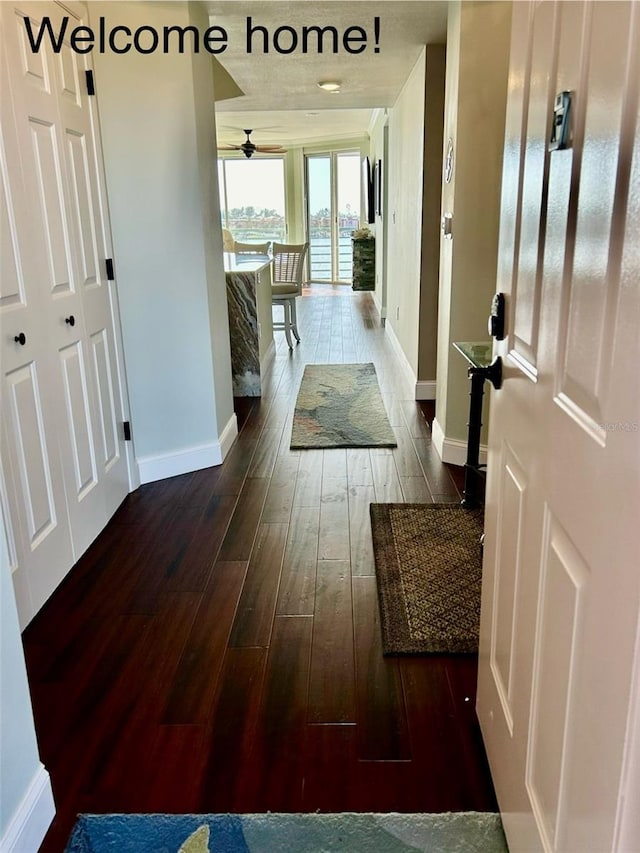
<point x="33" y="500"/>
<point x="561" y="588"/>
<point x="55" y="124"/>
<point x="89" y="224"/>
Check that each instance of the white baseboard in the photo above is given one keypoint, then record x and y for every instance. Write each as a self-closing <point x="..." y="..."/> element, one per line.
<point x="426" y="389"/>
<point x="382" y="310"/>
<point x="184" y="461"/>
<point x="423" y="389"/>
<point x="402" y="358"/>
<point x="229" y="433"/>
<point x="452" y="450"/>
<point x="32" y="818"/>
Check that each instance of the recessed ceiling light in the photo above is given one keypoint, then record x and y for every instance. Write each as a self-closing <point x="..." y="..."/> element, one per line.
<point x="330" y="85"/>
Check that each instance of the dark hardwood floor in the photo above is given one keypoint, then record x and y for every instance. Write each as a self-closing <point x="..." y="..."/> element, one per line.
<point x="218" y="647"/>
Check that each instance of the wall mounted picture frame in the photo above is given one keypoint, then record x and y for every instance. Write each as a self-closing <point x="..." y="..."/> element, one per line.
<point x="377" y="186"/>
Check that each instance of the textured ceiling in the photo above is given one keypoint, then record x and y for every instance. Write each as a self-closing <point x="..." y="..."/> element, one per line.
<point x="292" y="127"/>
<point x="280" y="88"/>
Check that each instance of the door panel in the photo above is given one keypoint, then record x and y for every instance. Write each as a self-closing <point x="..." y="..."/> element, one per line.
<point x="12" y="292"/>
<point x="591" y="293"/>
<point x="34" y="67"/>
<point x="47" y="173"/>
<point x="79" y="420"/>
<point x="32" y="461"/>
<point x="511" y="502"/>
<point x="561" y="592"/>
<point x="561" y="606"/>
<point x="532" y="230"/>
<point x="102" y="360"/>
<point x="80" y="180"/>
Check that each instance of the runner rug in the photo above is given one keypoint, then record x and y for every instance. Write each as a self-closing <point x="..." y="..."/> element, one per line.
<point x="340" y="405"/>
<point x="429" y="571"/>
<point x="464" y="832"/>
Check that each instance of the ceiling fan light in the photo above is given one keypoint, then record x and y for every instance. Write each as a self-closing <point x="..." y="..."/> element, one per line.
<point x="330" y="85"/>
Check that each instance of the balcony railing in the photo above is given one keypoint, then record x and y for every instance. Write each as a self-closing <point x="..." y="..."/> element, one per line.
<point x="320" y="257"/>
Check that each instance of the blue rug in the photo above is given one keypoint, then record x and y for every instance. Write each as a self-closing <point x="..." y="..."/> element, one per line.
<point x="464" y="832"/>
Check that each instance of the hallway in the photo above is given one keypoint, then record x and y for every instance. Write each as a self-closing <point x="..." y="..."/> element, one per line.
<point x="217" y="649"/>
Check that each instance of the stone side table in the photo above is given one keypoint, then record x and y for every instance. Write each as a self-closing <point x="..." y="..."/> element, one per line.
<point x="364" y="263"/>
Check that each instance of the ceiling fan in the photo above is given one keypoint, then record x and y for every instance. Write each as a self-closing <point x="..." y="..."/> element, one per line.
<point x="248" y="148"/>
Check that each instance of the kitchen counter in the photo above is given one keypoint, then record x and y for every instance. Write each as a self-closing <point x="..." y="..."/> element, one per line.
<point x="250" y="321"/>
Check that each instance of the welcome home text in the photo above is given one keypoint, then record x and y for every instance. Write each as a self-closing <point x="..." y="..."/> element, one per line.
<point x="145" y="39"/>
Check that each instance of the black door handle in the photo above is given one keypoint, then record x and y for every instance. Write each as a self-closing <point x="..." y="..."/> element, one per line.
<point x="20" y="339"/>
<point x="492" y="373"/>
<point x="70" y="320"/>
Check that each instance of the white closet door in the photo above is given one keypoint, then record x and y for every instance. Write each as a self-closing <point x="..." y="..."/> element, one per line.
<point x="55" y="124"/>
<point x="90" y="238"/>
<point x="33" y="500"/>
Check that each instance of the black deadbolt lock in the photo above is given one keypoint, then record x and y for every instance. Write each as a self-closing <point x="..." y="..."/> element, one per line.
<point x="496" y="318"/>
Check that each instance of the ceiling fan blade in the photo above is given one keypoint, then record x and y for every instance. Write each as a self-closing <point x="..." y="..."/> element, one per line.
<point x="267" y="148"/>
<point x="229" y="148"/>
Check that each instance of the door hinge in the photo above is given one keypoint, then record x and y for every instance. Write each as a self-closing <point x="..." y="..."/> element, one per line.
<point x="109" y="265"/>
<point x="126" y="428"/>
<point x="91" y="87"/>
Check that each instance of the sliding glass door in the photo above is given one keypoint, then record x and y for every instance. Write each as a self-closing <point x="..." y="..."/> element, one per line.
<point x="333" y="212"/>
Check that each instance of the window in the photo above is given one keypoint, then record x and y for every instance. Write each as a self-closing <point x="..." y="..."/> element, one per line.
<point x="252" y="198"/>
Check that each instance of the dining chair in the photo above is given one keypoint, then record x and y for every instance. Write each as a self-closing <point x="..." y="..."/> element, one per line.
<point x="288" y="269"/>
<point x="251" y="248"/>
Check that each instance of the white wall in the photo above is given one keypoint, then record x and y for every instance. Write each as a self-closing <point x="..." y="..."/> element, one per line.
<point x="158" y="131"/>
<point x="478" y="39"/>
<point x="26" y="803"/>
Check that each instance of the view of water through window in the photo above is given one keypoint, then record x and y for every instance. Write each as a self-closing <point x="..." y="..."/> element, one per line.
<point x="252" y="199"/>
<point x="252" y="202"/>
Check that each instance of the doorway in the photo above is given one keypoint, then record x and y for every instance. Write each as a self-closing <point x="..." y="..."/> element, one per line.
<point x="333" y="193"/>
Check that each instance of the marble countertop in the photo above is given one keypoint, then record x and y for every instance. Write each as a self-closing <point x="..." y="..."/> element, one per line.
<point x="245" y="263"/>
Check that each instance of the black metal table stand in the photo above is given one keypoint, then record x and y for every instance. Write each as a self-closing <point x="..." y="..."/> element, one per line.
<point x="472" y="468"/>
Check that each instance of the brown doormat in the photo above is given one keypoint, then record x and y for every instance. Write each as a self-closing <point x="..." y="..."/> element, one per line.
<point x="429" y="573"/>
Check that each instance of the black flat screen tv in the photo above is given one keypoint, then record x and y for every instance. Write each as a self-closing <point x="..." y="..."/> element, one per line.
<point x="368" y="191"/>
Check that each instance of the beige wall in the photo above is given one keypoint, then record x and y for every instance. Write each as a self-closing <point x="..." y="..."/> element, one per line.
<point x="377" y="132"/>
<point x="431" y="202"/>
<point x="294" y="195"/>
<point x="477" y="66"/>
<point x="406" y="147"/>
